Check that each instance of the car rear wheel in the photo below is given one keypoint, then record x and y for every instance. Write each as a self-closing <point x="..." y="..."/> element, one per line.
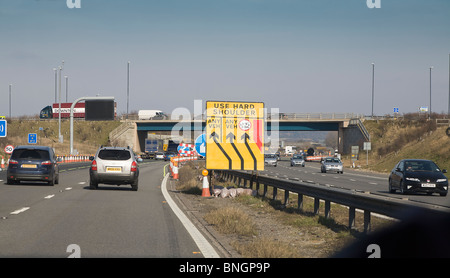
<point x="93" y="184"/>
<point x="134" y="185"/>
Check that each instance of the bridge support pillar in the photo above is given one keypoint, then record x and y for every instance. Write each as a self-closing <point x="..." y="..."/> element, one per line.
<point x="341" y="138"/>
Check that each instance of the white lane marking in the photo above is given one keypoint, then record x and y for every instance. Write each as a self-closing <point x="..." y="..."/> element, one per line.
<point x="68" y="188"/>
<point x="20" y="210"/>
<point x="82" y="182"/>
<point x="49" y="196"/>
<point x="202" y="243"/>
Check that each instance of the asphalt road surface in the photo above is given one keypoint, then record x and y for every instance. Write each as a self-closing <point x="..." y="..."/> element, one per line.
<point x="70" y="220"/>
<point x="351" y="179"/>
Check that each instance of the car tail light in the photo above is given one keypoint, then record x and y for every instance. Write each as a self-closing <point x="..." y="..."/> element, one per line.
<point x="133" y="166"/>
<point x="94" y="165"/>
<point x="47" y="162"/>
<point x="12" y="161"/>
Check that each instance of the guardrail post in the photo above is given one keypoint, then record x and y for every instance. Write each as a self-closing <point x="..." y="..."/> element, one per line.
<point x="286" y="197"/>
<point x="327" y="209"/>
<point x="275" y="192"/>
<point x="316" y="205"/>
<point x="351" y="218"/>
<point x="300" y="202"/>
<point x="367" y="225"/>
<point x="265" y="190"/>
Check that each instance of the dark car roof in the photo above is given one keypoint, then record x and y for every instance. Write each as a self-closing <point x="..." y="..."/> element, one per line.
<point x="414" y="159"/>
<point x="33" y="147"/>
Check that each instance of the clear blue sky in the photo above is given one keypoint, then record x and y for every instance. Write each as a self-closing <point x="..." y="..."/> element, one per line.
<point x="295" y="55"/>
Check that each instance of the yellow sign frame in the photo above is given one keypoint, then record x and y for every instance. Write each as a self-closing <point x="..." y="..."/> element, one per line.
<point x="234" y="135"/>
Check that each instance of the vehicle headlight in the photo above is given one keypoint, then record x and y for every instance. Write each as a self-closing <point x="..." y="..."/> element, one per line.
<point x="413" y="179"/>
<point x="441" y="180"/>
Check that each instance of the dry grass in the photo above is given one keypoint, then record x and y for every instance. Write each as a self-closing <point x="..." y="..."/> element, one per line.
<point x="231" y="220"/>
<point x="264" y="248"/>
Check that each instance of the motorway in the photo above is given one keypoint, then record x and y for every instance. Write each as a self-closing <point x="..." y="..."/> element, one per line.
<point x="69" y="219"/>
<point x="351" y="179"/>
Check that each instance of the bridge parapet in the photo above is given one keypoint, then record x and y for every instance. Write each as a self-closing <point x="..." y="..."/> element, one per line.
<point x="270" y="116"/>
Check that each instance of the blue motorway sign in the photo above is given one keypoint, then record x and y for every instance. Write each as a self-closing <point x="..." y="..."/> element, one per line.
<point x="32" y="138"/>
<point x="3" y="128"/>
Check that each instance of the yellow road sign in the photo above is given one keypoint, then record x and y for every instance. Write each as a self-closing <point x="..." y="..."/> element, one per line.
<point x="234" y="135"/>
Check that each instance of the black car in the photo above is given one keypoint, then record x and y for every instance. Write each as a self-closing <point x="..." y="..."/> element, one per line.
<point x="33" y="163"/>
<point x="418" y="175"/>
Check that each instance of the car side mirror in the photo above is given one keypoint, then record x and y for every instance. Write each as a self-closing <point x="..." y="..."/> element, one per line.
<point x="398" y="169"/>
<point x="91" y="158"/>
<point x="444" y="171"/>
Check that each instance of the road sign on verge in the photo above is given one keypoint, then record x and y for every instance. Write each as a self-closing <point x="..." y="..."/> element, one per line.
<point x="9" y="149"/>
<point x="200" y="144"/>
<point x="3" y="128"/>
<point x="32" y="138"/>
<point x="234" y="135"/>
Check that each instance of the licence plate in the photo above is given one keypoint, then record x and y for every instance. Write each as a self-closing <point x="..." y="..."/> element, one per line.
<point x="31" y="166"/>
<point x="113" y="169"/>
<point x="428" y="185"/>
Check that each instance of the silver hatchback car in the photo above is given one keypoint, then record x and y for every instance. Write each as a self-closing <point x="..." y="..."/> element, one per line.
<point x="332" y="164"/>
<point x="114" y="165"/>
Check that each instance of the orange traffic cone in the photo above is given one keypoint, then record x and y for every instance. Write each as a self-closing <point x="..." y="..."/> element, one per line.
<point x="3" y="163"/>
<point x="175" y="172"/>
<point x="205" y="189"/>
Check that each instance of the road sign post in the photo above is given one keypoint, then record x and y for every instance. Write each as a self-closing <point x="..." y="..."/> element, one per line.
<point x="234" y="135"/>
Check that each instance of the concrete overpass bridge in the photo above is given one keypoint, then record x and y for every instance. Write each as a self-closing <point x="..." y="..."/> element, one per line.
<point x="350" y="128"/>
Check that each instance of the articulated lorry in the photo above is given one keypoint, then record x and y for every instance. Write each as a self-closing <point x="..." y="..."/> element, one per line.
<point x="152" y="146"/>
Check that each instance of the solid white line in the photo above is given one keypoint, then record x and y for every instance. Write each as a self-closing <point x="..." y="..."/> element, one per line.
<point x="20" y="210"/>
<point x="49" y="196"/>
<point x="68" y="188"/>
<point x="203" y="244"/>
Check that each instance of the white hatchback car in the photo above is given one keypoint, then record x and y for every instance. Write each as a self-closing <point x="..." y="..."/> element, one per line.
<point x="114" y="165"/>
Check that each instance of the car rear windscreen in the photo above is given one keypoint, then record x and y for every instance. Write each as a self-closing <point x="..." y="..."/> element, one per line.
<point x="114" y="155"/>
<point x="30" y="154"/>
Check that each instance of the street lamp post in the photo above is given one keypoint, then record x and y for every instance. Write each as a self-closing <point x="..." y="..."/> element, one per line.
<point x="56" y="83"/>
<point x="429" y="115"/>
<point x="10" y="85"/>
<point x="128" y="86"/>
<point x="59" y="116"/>
<point x="373" y="84"/>
<point x="67" y="86"/>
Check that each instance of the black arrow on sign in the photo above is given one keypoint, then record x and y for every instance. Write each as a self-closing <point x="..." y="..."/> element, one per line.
<point x="231" y="136"/>
<point x="215" y="136"/>
<point x="246" y="137"/>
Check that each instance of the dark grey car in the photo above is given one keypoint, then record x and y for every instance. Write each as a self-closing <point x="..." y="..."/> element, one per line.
<point x="418" y="175"/>
<point x="33" y="163"/>
<point x="114" y="165"/>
